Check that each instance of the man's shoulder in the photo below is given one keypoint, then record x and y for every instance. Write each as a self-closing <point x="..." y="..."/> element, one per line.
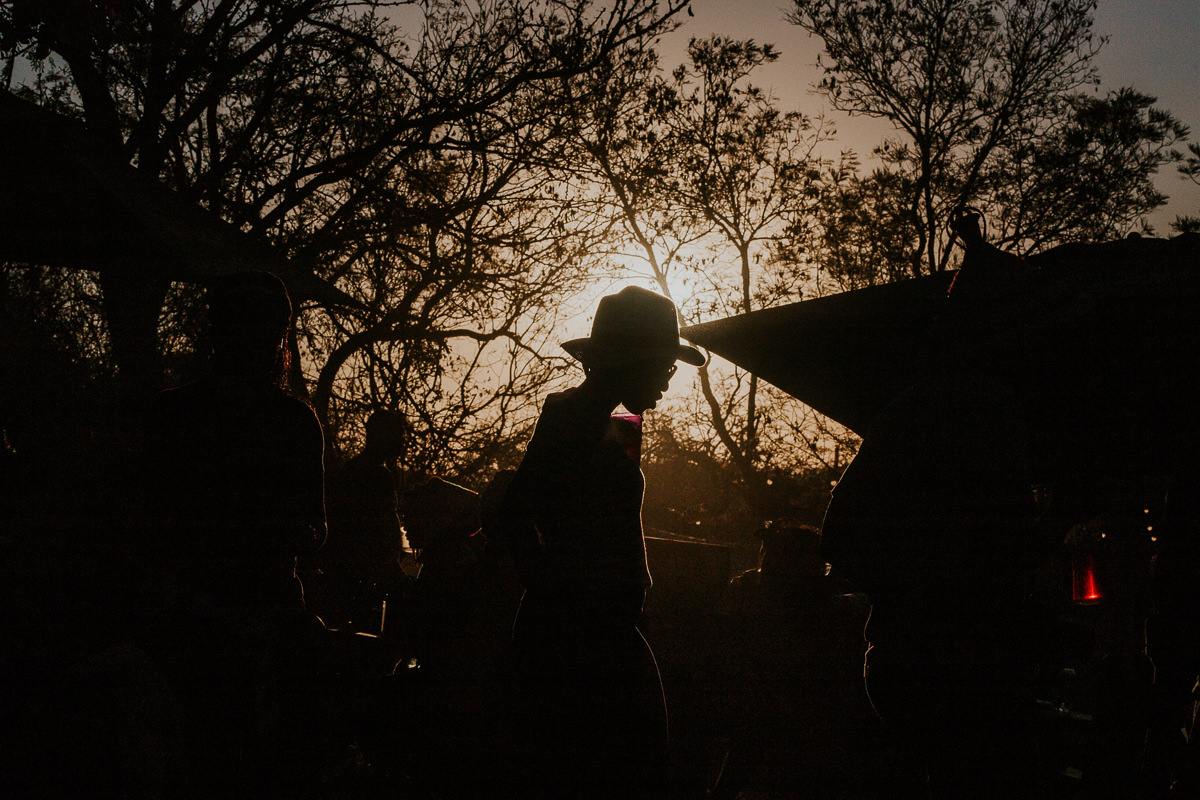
<point x="556" y="436"/>
<point x="560" y="403"/>
<point x="567" y="415"/>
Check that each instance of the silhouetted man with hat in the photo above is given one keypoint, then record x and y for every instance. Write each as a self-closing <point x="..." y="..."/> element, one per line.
<point x="589" y="685"/>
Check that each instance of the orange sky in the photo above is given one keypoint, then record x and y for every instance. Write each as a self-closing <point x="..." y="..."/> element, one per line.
<point x="1154" y="46"/>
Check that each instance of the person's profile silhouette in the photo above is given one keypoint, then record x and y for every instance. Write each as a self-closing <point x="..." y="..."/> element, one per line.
<point x="593" y="700"/>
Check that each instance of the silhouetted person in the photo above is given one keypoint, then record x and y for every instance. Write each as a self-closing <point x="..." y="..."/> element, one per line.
<point x="1173" y="638"/>
<point x="596" y="719"/>
<point x="236" y="470"/>
<point x="442" y="521"/>
<point x="503" y="587"/>
<point x="441" y="627"/>
<point x="361" y="560"/>
<point x="798" y="717"/>
<point x="933" y="520"/>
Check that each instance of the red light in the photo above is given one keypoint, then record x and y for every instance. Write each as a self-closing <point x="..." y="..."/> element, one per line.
<point x="1084" y="587"/>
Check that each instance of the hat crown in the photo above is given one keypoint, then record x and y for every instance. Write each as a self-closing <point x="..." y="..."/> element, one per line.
<point x="630" y="325"/>
<point x="636" y="318"/>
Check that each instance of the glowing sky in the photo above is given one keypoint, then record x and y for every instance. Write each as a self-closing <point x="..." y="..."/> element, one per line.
<point x="1153" y="46"/>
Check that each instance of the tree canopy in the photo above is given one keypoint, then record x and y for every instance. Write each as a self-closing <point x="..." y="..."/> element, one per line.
<point x="412" y="168"/>
<point x="468" y="173"/>
<point x="985" y="96"/>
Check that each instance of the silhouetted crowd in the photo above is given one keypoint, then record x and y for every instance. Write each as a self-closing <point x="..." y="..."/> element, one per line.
<point x="253" y="626"/>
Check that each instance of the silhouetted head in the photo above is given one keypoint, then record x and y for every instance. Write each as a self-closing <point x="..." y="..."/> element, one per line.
<point x="248" y="315"/>
<point x="790" y="549"/>
<point x="633" y="347"/>
<point x="386" y="434"/>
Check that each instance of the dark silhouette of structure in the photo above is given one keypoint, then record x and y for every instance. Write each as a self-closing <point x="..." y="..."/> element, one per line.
<point x="589" y="695"/>
<point x="74" y="202"/>
<point x="1005" y="407"/>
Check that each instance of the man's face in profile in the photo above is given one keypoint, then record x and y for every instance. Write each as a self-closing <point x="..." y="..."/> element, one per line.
<point x="643" y="383"/>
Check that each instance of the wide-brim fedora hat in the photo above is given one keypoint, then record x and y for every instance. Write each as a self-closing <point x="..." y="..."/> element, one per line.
<point x="632" y="325"/>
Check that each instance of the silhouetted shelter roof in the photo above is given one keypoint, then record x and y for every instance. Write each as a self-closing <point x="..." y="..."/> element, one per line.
<point x="845" y="355"/>
<point x="65" y="201"/>
<point x="1099" y="343"/>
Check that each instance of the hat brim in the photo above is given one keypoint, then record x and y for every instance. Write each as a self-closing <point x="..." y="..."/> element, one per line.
<point x="588" y="351"/>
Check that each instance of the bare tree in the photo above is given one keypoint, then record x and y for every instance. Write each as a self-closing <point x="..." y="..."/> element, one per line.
<point x="629" y="150"/>
<point x="409" y="167"/>
<point x="862" y="233"/>
<point x="1090" y="178"/>
<point x="748" y="168"/>
<point x="463" y="297"/>
<point x="703" y="173"/>
<point x="960" y="80"/>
